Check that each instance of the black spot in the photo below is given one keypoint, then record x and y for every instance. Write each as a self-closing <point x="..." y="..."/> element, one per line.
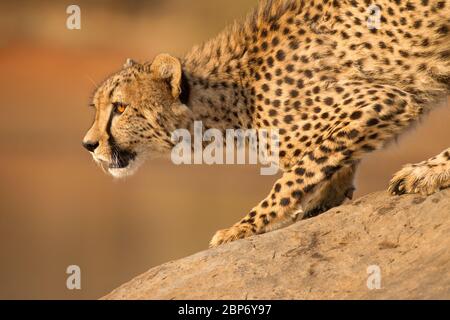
<point x="373" y="122"/>
<point x="330" y="170"/>
<point x="280" y="55"/>
<point x="285" y="202"/>
<point x="275" y="41"/>
<point x="339" y="89"/>
<point x="353" y="134"/>
<point x="293" y="93"/>
<point x="300" y="171"/>
<point x="288" y="119"/>
<point x="308" y="73"/>
<point x="329" y="101"/>
<point x="289" y="80"/>
<point x="297" y="194"/>
<point x="277" y="187"/>
<point x="356" y="115"/>
<point x="443" y="30"/>
<point x="309" y="188"/>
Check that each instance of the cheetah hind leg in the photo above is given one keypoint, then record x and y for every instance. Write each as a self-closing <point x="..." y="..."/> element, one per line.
<point x="333" y="193"/>
<point x="425" y="178"/>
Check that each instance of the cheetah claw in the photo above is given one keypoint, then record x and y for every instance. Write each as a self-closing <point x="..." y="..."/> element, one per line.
<point x="416" y="179"/>
<point x="231" y="234"/>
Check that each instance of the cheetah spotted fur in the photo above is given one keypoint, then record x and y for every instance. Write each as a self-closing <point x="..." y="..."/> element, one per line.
<point x="333" y="87"/>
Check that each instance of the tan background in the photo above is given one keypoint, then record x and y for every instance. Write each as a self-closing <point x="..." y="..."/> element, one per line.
<point x="57" y="208"/>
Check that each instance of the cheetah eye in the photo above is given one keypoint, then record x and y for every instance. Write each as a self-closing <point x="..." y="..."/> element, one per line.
<point x="119" y="107"/>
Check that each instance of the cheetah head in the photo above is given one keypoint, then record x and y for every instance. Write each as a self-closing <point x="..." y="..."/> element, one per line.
<point x="136" y="110"/>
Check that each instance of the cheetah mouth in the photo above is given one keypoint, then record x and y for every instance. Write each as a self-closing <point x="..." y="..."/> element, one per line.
<point x="123" y="164"/>
<point x="121" y="159"/>
<point x="119" y="164"/>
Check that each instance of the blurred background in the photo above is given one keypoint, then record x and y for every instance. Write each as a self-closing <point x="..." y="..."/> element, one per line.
<point x="56" y="206"/>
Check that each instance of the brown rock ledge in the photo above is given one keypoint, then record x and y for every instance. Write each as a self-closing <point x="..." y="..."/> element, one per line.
<point x="325" y="257"/>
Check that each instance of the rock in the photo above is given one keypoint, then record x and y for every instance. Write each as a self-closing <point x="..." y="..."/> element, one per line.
<point x="326" y="257"/>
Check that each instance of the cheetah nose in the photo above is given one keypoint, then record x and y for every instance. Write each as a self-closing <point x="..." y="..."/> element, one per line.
<point x="90" y="146"/>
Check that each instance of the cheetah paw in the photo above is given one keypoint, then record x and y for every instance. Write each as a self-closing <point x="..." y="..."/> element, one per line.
<point x="418" y="178"/>
<point x="236" y="232"/>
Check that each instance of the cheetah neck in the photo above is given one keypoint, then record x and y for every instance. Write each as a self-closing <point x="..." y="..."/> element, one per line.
<point x="215" y="73"/>
<point x="217" y="100"/>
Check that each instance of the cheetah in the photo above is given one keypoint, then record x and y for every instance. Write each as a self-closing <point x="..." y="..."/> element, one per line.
<point x="334" y="87"/>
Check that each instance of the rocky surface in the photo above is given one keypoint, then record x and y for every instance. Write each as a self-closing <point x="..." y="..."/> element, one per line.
<point x="326" y="257"/>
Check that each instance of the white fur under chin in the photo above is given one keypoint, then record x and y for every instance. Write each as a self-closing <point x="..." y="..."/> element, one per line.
<point x="119" y="173"/>
<point x="131" y="169"/>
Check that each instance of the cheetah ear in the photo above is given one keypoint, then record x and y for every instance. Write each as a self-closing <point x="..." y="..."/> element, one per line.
<point x="168" y="68"/>
<point x="129" y="63"/>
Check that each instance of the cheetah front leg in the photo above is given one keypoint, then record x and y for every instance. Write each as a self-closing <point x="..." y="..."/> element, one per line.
<point x="316" y="181"/>
<point x="426" y="177"/>
<point x="278" y="209"/>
